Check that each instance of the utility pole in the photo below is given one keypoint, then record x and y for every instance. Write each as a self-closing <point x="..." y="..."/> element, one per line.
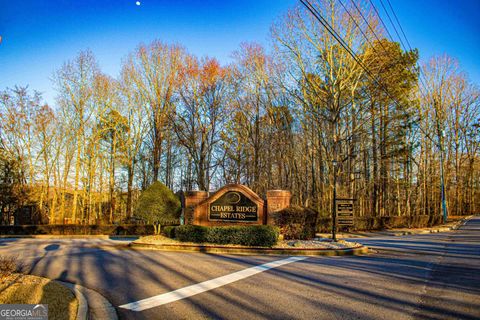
<point x="440" y="134"/>
<point x="334" y="201"/>
<point x="442" y="178"/>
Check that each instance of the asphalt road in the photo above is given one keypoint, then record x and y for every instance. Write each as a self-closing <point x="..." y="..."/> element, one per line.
<point x="434" y="276"/>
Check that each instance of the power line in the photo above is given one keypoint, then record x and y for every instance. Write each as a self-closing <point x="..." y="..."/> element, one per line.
<point x="373" y="32"/>
<point x="354" y="21"/>
<point x="390" y="35"/>
<point x="325" y="23"/>
<point x="400" y="38"/>
<point x="327" y="26"/>
<point x="444" y="205"/>
<point x="393" y="25"/>
<point x="337" y="37"/>
<point x="368" y="24"/>
<point x="398" y="22"/>
<point x="330" y="29"/>
<point x="396" y="31"/>
<point x="409" y="46"/>
<point x="381" y="20"/>
<point x="425" y="87"/>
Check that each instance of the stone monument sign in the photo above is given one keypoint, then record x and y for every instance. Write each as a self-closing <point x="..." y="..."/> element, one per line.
<point x="233" y="204"/>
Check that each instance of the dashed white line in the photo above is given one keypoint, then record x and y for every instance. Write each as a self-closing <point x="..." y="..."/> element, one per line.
<point x="192" y="290"/>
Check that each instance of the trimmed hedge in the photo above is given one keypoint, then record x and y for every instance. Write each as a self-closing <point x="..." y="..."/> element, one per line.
<point x="296" y="222"/>
<point x="255" y="236"/>
<point x="75" y="229"/>
<point x="168" y="231"/>
<point x="191" y="233"/>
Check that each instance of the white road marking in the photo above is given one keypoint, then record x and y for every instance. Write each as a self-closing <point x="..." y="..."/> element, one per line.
<point x="192" y="290"/>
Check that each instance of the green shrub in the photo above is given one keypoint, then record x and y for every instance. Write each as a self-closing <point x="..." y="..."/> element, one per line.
<point x="191" y="233"/>
<point x="296" y="222"/>
<point x="258" y="235"/>
<point x="168" y="231"/>
<point x="222" y="235"/>
<point x="261" y="236"/>
<point x="158" y="205"/>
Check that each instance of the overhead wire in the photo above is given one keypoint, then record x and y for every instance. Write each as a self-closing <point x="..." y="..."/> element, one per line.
<point x="421" y="73"/>
<point x="421" y="77"/>
<point x="340" y="40"/>
<point x="325" y="23"/>
<point x="390" y="36"/>
<point x="369" y="26"/>
<point x="381" y="20"/>
<point x="422" y="80"/>
<point x="439" y="131"/>
<point x="398" y="22"/>
<point x="393" y="25"/>
<point x="371" y="29"/>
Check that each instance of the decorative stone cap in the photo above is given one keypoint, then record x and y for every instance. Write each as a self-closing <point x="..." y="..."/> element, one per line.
<point x="234" y="187"/>
<point x="196" y="193"/>
<point x="278" y="193"/>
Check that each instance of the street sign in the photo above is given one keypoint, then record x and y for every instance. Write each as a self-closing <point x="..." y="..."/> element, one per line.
<point x="344" y="211"/>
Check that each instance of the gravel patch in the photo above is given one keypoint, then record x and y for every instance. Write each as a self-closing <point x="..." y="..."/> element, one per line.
<point x="316" y="244"/>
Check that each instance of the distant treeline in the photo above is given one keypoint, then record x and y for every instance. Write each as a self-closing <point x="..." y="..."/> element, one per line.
<point x="287" y="118"/>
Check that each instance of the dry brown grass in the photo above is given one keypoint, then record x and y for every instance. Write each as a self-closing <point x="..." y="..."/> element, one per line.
<point x="8" y="265"/>
<point x="299" y="244"/>
<point x="27" y="289"/>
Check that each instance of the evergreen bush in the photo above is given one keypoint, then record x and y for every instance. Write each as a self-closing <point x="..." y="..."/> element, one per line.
<point x="191" y="233"/>
<point x="168" y="231"/>
<point x="296" y="222"/>
<point x="158" y="205"/>
<point x="258" y="235"/>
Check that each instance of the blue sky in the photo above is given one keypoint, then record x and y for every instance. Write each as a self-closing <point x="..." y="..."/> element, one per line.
<point x="38" y="36"/>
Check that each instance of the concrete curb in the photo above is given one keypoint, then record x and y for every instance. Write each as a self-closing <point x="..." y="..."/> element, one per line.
<point x="251" y="250"/>
<point x="460" y="223"/>
<point x="392" y="233"/>
<point x="94" y="305"/>
<point x="378" y="250"/>
<point x="82" y="310"/>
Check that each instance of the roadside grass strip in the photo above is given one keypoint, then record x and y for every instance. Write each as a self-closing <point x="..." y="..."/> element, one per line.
<point x="201" y="287"/>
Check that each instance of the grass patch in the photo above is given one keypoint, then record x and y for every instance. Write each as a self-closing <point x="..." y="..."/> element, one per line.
<point x="27" y="289"/>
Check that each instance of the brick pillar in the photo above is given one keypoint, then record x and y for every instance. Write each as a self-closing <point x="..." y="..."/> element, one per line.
<point x="276" y="201"/>
<point x="192" y="198"/>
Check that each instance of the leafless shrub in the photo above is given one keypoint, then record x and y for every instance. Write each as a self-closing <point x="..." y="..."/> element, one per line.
<point x="8" y="265"/>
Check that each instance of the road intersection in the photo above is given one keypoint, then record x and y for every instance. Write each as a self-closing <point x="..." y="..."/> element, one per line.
<point x="431" y="276"/>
